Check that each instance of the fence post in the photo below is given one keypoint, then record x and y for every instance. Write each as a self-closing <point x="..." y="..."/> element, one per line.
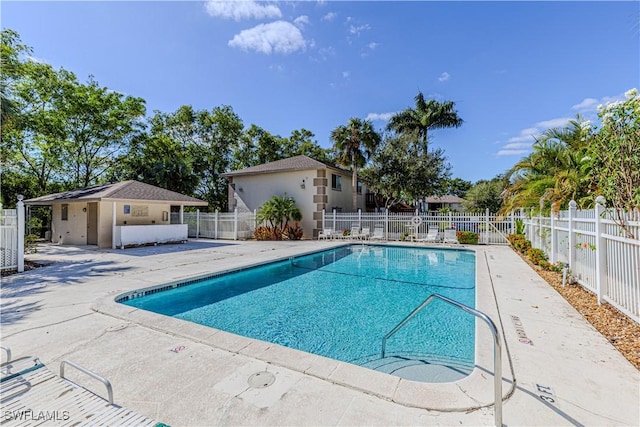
<point x="360" y="217"/>
<point x="20" y="208"/>
<point x="323" y="219"/>
<point x="197" y="223"/>
<point x="552" y="258"/>
<point x="215" y="226"/>
<point x="450" y="226"/>
<point x="572" y="237"/>
<point x="235" y="224"/>
<point x="386" y="223"/>
<point x="601" y="254"/>
<point x="512" y="224"/>
<point x="334" y="219"/>
<point x="486" y="226"/>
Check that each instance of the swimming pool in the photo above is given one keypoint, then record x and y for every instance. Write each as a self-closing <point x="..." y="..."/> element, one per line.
<point x="340" y="303"/>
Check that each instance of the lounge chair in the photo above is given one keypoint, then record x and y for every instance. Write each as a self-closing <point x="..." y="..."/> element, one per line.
<point x="450" y="236"/>
<point x="355" y="232"/>
<point x="327" y="233"/>
<point x="378" y="233"/>
<point x="29" y="385"/>
<point x="365" y="234"/>
<point x="432" y="235"/>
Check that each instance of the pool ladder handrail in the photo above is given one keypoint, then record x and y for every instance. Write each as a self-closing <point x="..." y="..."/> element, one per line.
<point x="497" y="346"/>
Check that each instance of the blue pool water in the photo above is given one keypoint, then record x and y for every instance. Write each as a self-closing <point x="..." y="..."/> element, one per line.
<point x="340" y="303"/>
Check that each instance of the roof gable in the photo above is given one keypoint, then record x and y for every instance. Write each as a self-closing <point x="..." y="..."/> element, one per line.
<point x="295" y="163"/>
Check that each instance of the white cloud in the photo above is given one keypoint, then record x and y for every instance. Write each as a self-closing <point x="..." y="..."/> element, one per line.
<point x="525" y="135"/>
<point x="586" y="104"/>
<point x="373" y="45"/>
<point x="329" y="16"/>
<point x="301" y="21"/>
<point x="358" y="29"/>
<point x="511" y="152"/>
<point x="275" y="37"/>
<point x="379" y="116"/>
<point x="241" y="9"/>
<point x="517" y="145"/>
<point x="346" y="74"/>
<point x="444" y="77"/>
<point x="553" y="123"/>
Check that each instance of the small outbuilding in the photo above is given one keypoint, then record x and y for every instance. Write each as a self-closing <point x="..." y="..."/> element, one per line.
<point x="116" y="215"/>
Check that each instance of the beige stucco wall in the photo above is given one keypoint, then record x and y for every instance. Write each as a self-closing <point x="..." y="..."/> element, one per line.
<point x="74" y="231"/>
<point x="253" y="190"/>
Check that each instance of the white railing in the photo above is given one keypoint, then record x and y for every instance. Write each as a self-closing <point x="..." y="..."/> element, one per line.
<point x="219" y="225"/>
<point x="492" y="229"/>
<point x="126" y="235"/>
<point x="12" y="238"/>
<point x="600" y="254"/>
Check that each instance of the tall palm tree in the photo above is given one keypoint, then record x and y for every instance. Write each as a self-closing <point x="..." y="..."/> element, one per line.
<point x="427" y="115"/>
<point x="353" y="144"/>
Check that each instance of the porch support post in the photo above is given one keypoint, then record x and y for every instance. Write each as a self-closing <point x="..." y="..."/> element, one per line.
<point x="113" y="226"/>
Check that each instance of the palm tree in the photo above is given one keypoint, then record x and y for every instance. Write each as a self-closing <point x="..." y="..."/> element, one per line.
<point x="353" y="144"/>
<point x="427" y="115"/>
<point x="555" y="172"/>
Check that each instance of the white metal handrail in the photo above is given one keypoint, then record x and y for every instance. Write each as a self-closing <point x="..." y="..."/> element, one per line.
<point x="497" y="346"/>
<point x="91" y="374"/>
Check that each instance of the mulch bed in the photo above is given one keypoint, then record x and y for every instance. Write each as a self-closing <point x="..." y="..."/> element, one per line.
<point x="616" y="327"/>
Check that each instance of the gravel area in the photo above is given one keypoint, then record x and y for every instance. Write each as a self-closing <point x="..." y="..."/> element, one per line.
<point x="616" y="327"/>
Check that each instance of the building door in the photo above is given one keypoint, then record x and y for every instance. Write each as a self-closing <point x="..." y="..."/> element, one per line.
<point x="92" y="223"/>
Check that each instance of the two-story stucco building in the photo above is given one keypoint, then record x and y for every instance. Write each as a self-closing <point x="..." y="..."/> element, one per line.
<point x="313" y="185"/>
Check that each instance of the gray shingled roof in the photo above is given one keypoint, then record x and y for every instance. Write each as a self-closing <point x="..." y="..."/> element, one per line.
<point x="444" y="199"/>
<point x="126" y="190"/>
<point x="291" y="164"/>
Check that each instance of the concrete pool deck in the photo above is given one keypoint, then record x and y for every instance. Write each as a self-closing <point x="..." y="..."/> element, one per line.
<point x="184" y="374"/>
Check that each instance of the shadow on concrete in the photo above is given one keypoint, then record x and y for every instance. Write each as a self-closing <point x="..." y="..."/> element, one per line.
<point x="167" y="248"/>
<point x="15" y="310"/>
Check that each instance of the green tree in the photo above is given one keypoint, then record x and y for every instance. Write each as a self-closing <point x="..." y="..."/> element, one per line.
<point x="99" y="124"/>
<point x="396" y="174"/>
<point x="616" y="156"/>
<point x="427" y="115"/>
<point x="458" y="187"/>
<point x="301" y="142"/>
<point x="353" y="144"/>
<point x="485" y="195"/>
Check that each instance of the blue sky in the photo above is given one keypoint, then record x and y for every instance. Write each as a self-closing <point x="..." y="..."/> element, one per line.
<point x="512" y="68"/>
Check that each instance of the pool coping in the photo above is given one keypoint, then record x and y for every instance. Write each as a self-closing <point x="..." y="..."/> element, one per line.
<point x="472" y="392"/>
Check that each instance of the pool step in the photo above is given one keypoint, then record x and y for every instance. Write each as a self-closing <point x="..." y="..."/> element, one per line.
<point x="418" y="368"/>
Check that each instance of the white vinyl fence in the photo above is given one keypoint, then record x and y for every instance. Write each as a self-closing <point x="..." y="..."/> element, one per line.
<point x="492" y="229"/>
<point x="228" y="225"/>
<point x="600" y="254"/>
<point x="12" y="238"/>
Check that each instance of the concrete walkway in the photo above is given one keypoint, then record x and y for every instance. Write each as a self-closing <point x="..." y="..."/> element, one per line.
<point x="565" y="372"/>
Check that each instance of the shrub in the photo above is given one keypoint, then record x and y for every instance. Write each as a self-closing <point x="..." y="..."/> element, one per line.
<point x="262" y="233"/>
<point x="294" y="232"/>
<point x="519" y="224"/>
<point x="468" y="237"/>
<point x="519" y="243"/>
<point x="538" y="257"/>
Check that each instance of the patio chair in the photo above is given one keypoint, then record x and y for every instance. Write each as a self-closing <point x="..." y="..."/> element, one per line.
<point x="28" y="384"/>
<point x="378" y="233"/>
<point x="365" y="234"/>
<point x="327" y="233"/>
<point x="355" y="232"/>
<point x="450" y="236"/>
<point x="432" y="235"/>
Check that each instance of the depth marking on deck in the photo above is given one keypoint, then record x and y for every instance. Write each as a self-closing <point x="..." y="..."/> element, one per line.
<point x="522" y="335"/>
<point x="545" y="393"/>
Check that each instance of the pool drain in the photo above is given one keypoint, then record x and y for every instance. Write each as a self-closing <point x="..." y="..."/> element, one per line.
<point x="261" y="379"/>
